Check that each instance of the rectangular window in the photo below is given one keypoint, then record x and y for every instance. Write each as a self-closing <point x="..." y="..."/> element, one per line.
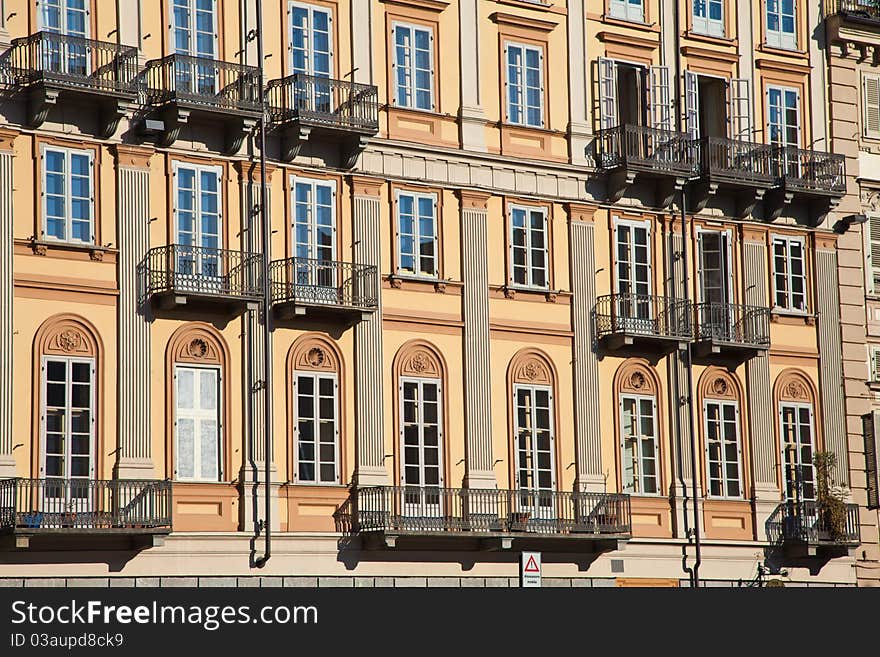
<point x="413" y="66"/>
<point x="68" y="195"/>
<point x="528" y="247"/>
<point x="871" y="106"/>
<point x="421" y="444"/>
<point x="417" y="234"/>
<point x="873" y="251"/>
<point x="317" y="428"/>
<point x="781" y="24"/>
<point x="783" y="112"/>
<point x="723" y="454"/>
<point x="628" y="10"/>
<point x="533" y="431"/>
<point x="796" y="428"/>
<point x="632" y="275"/>
<point x="525" y="85"/>
<point x="311" y="40"/>
<point x="70" y="17"/>
<point x="874" y="364"/>
<point x="68" y="418"/>
<point x="197" y="223"/>
<point x="194" y="27"/>
<point x="789" y="273"/>
<point x="639" y="449"/>
<point x="708" y="17"/>
<point x="197" y="426"/>
<point x="314" y="231"/>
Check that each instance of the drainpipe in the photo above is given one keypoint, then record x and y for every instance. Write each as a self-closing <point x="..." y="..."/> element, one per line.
<point x="267" y="301"/>
<point x="695" y="570"/>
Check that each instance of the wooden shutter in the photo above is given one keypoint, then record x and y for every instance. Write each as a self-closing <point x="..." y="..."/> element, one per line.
<point x="871" y="108"/>
<point x="607" y="93"/>
<point x="870" y="430"/>
<point x="874" y="252"/>
<point x="692" y="104"/>
<point x="875" y="364"/>
<point x="660" y="98"/>
<point x="739" y="94"/>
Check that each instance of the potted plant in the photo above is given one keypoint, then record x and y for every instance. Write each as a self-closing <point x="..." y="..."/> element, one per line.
<point x="830" y="498"/>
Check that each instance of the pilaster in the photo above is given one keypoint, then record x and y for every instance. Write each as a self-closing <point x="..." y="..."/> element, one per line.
<point x="7" y="325"/>
<point x="471" y="118"/>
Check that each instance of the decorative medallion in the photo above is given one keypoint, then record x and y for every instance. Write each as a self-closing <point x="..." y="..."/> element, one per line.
<point x="419" y="362"/>
<point x="316" y="357"/>
<point x="531" y="371"/>
<point x="69" y="340"/>
<point x="197" y="348"/>
<point x="637" y="381"/>
<point x="795" y="390"/>
<point x="720" y="387"/>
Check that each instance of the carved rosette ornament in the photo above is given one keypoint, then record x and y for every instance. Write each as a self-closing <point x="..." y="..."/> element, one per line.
<point x="419" y="362"/>
<point x="197" y="348"/>
<point x="795" y="390"/>
<point x="69" y="340"/>
<point x="720" y="387"/>
<point x="316" y="357"/>
<point x="637" y="381"/>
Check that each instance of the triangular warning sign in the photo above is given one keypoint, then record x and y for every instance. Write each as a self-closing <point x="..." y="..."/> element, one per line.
<point x="531" y="566"/>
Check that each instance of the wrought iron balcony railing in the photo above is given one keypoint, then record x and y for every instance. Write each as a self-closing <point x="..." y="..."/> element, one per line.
<point x="71" y="62"/>
<point x="310" y="281"/>
<point x="201" y="271"/>
<point x="84" y="505"/>
<point x="809" y="171"/>
<point x="651" y="149"/>
<point x="207" y="83"/>
<point x="811" y="523"/>
<point x="324" y="102"/>
<point x="420" y="509"/>
<point x="737" y="161"/>
<point x="644" y="315"/>
<point x="868" y="10"/>
<point x="733" y="324"/>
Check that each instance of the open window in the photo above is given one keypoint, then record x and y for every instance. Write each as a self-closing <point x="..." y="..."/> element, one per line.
<point x="717" y="107"/>
<point x="632" y="94"/>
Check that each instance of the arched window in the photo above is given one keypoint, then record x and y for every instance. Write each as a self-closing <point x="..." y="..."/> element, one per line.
<point x="197" y="363"/>
<point x="722" y="434"/>
<point x="637" y="388"/>
<point x="314" y="365"/>
<point x="533" y="430"/>
<point x="420" y="420"/>
<point x="795" y="398"/>
<point x="67" y="353"/>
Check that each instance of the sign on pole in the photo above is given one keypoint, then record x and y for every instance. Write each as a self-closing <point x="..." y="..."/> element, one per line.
<point x="530" y="570"/>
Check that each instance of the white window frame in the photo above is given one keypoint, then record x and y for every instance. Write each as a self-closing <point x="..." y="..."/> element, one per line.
<point x="93" y="384"/>
<point x="192" y="50"/>
<point x="63" y="9"/>
<point x="729" y="260"/>
<point x="417" y="270"/>
<point x="627" y="10"/>
<point x="705" y="24"/>
<point x="531" y="269"/>
<point x="783" y="90"/>
<point x="868" y="106"/>
<point x="312" y="225"/>
<point x="310" y="29"/>
<point x="522" y="87"/>
<point x="176" y="165"/>
<point x="411" y="87"/>
<point x="724" y="462"/>
<point x="779" y="38"/>
<point x="533" y="389"/>
<point x="789" y="277"/>
<point x="798" y="406"/>
<point x="68" y="199"/>
<point x="316" y="376"/>
<point x="640" y="476"/>
<point x="632" y="223"/>
<point x="197" y="466"/>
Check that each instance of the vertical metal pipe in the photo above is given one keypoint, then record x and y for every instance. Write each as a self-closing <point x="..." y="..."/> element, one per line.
<point x="267" y="301"/>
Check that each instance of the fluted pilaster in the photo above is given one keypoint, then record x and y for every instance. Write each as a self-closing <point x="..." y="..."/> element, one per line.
<point x="7" y="327"/>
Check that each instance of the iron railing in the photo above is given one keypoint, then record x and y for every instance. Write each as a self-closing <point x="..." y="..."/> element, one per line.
<point x="324" y="282"/>
<point x="71" y="62"/>
<point x="204" y="271"/>
<point x="209" y="83"/>
<point x="653" y="149"/>
<point x="738" y="161"/>
<point x="644" y="314"/>
<point x="863" y="9"/>
<point x="811" y="523"/>
<point x="733" y="323"/>
<point x="811" y="171"/>
<point x="34" y="505"/>
<point x="418" y="509"/>
<point x="325" y="102"/>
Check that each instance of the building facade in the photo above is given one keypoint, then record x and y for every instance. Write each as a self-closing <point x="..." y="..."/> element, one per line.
<point x="566" y="276"/>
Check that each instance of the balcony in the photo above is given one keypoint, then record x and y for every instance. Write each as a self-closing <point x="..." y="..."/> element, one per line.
<point x="201" y="279"/>
<point x="178" y="86"/>
<point x="731" y="330"/>
<point x="323" y="289"/>
<point x="866" y="12"/>
<point x="484" y="519"/>
<point x="45" y="65"/>
<point x="811" y="173"/>
<point x="807" y="528"/>
<point x="302" y="106"/>
<point x="743" y="168"/>
<point x="666" y="157"/>
<point x="46" y="510"/>
<point x="643" y="322"/>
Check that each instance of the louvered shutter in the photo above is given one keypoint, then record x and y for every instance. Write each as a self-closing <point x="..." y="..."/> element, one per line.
<point x="692" y="104"/>
<point x="874" y="252"/>
<point x="607" y="93"/>
<point x="875" y="364"/>
<point x="871" y="428"/>
<point x="660" y="98"/>
<point x="871" y="109"/>
<point x="739" y="94"/>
